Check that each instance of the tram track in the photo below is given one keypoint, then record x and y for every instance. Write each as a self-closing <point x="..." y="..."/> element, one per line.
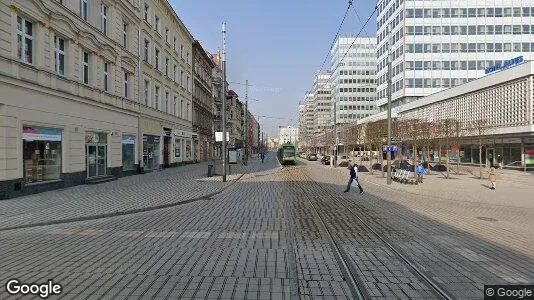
<point x="346" y="263"/>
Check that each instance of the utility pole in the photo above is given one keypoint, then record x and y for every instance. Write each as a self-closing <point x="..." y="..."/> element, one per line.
<point x="388" y="154"/>
<point x="223" y="62"/>
<point x="335" y="136"/>
<point x="245" y="122"/>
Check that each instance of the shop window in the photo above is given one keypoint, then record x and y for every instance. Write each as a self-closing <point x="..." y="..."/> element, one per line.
<point x="41" y="153"/>
<point x="128" y="152"/>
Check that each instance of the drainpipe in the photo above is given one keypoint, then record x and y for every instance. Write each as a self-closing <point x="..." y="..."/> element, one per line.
<point x="139" y="86"/>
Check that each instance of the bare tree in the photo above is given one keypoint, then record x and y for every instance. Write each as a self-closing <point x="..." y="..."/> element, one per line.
<point x="428" y="134"/>
<point x="448" y="129"/>
<point x="374" y="133"/>
<point x="480" y="128"/>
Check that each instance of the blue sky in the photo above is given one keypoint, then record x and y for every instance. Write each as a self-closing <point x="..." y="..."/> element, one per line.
<point x="277" y="45"/>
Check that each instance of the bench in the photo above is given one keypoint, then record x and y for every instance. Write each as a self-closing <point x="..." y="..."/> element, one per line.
<point x="403" y="176"/>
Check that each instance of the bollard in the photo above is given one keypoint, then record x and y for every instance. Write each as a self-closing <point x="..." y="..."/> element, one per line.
<point x="210" y="170"/>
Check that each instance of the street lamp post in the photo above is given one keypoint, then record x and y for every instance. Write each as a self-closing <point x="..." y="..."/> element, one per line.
<point x="389" y="110"/>
<point x="223" y="62"/>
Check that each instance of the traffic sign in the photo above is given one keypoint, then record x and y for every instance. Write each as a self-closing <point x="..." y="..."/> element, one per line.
<point x="396" y="139"/>
<point x="390" y="148"/>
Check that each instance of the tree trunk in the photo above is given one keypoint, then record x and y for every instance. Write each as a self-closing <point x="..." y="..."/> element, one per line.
<point x="415" y="159"/>
<point x="458" y="160"/>
<point x="480" y="158"/>
<point x="447" y="159"/>
<point x="381" y="162"/>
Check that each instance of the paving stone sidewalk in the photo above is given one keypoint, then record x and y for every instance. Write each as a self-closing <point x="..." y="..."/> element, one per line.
<point x="138" y="192"/>
<point x="504" y="216"/>
<point x="231" y="246"/>
<point x="461" y="252"/>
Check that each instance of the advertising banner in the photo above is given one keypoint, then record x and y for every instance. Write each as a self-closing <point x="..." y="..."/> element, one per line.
<point x="529" y="156"/>
<point x="33" y="133"/>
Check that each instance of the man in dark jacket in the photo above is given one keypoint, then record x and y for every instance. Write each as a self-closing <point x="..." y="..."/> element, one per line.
<point x="353" y="172"/>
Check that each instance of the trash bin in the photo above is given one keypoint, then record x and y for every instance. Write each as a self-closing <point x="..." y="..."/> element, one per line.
<point x="210" y="170"/>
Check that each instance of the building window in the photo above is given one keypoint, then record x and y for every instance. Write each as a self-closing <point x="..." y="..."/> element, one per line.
<point x="125" y="34"/>
<point x="167" y="35"/>
<point x="187" y="83"/>
<point x="147" y="93"/>
<point x="166" y="102"/>
<point x="125" y="84"/>
<point x="147" y="8"/>
<point x="182" y="51"/>
<point x="156" y="98"/>
<point x="41" y="153"/>
<point x="59" y="51"/>
<point x="147" y="49"/>
<point x="188" y="114"/>
<point x="85" y="70"/>
<point x="128" y="152"/>
<point x="174" y="44"/>
<point x="104" y="19"/>
<point x="182" y="78"/>
<point x="106" y="76"/>
<point x="175" y="111"/>
<point x="24" y="40"/>
<point x="156" y="18"/>
<point x="166" y="66"/>
<point x="83" y="9"/>
<point x="157" y="58"/>
<point x="182" y="109"/>
<point x="174" y="72"/>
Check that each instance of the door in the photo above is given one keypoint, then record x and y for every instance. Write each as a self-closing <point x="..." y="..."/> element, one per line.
<point x="96" y="160"/>
<point x="91" y="161"/>
<point x="166" y="151"/>
<point x="101" y="160"/>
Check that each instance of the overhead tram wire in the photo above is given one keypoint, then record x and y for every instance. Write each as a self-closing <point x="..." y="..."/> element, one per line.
<point x="331" y="46"/>
<point x="348" y="49"/>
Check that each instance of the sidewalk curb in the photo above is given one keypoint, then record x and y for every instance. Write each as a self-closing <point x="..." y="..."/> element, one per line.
<point x="122" y="213"/>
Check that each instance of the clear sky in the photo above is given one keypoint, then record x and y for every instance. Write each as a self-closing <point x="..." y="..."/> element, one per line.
<point x="277" y="45"/>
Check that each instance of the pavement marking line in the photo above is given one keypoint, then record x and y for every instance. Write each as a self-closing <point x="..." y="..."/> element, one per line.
<point x="161" y="234"/>
<point x="92" y="232"/>
<point x="232" y="235"/>
<point x="196" y="234"/>
<point x="132" y="233"/>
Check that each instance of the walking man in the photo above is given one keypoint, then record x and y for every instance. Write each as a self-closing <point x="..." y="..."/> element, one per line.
<point x="492" y="177"/>
<point x="420" y="170"/>
<point x="262" y="157"/>
<point x="353" y="174"/>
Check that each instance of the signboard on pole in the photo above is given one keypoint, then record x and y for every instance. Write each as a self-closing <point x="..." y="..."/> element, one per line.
<point x="219" y="136"/>
<point x="390" y="148"/>
<point x="396" y="139"/>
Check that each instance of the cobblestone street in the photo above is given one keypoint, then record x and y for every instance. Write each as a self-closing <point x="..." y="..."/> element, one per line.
<point x="268" y="233"/>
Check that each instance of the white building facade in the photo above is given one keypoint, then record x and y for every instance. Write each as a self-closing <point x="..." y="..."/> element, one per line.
<point x="504" y="103"/>
<point x="442" y="43"/>
<point x="288" y="134"/>
<point x="323" y="104"/>
<point x="353" y="81"/>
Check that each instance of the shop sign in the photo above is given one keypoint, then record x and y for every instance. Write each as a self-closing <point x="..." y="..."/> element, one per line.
<point x="95" y="137"/>
<point x="167" y="133"/>
<point x="504" y="65"/>
<point x="32" y="133"/>
<point x="151" y="138"/>
<point x="194" y="136"/>
<point x="128" y="140"/>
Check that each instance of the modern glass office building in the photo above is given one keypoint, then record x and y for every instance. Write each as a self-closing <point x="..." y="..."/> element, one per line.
<point x="353" y="78"/>
<point x="438" y="44"/>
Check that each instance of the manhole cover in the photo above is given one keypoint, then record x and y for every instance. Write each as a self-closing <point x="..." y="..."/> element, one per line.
<point x="487" y="219"/>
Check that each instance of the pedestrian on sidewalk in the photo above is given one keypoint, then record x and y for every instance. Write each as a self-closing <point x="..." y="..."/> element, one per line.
<point x="420" y="170"/>
<point x="262" y="157"/>
<point x="353" y="176"/>
<point x="492" y="177"/>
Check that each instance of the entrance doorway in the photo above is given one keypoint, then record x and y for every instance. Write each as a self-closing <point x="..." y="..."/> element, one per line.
<point x="96" y="160"/>
<point x="167" y="151"/>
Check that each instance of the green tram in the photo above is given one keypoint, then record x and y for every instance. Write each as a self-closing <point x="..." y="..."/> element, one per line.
<point x="287" y="154"/>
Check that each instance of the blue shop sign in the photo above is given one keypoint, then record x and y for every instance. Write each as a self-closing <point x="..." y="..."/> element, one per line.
<point x="504" y="65"/>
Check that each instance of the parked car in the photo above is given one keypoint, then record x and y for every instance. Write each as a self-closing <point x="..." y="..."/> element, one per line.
<point x="325" y="160"/>
<point x="312" y="157"/>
